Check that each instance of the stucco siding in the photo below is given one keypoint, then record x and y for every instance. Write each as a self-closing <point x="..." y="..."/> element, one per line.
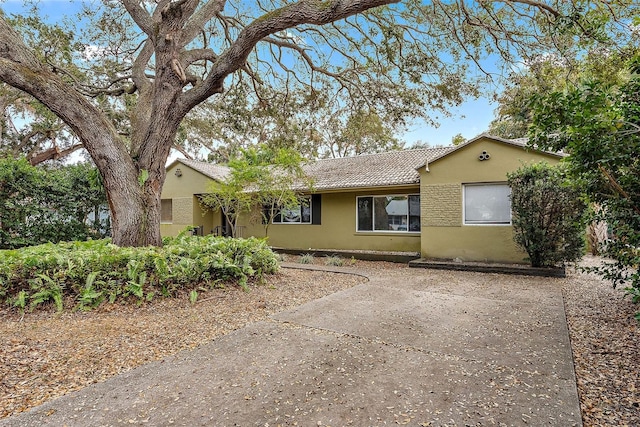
<point x="440" y="205"/>
<point x="170" y="230"/>
<point x="188" y="183"/>
<point x="337" y="229"/>
<point x="182" y="189"/>
<point x="467" y="243"/>
<point x="444" y="234"/>
<point x="463" y="166"/>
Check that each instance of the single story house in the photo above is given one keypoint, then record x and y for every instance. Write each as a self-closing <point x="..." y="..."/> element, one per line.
<point x="444" y="203"/>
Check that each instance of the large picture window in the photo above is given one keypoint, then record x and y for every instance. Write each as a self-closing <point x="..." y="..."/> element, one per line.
<point x="300" y="214"/>
<point x="388" y="213"/>
<point x="486" y="204"/>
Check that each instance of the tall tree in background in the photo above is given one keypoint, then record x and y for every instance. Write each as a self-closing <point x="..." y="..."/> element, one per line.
<point x="125" y="82"/>
<point x="553" y="73"/>
<point x="363" y="132"/>
<point x="458" y="139"/>
<point x="598" y="123"/>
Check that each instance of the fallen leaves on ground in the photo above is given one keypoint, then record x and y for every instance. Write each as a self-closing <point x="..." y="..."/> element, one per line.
<point x="605" y="340"/>
<point x="46" y="354"/>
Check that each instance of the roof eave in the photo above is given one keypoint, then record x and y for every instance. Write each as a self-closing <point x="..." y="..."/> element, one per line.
<point x="495" y="138"/>
<point x="360" y="187"/>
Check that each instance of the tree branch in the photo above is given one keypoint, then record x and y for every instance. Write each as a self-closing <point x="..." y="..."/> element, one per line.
<point x="139" y="76"/>
<point x="194" y="55"/>
<point x="139" y="15"/>
<point x="197" y="22"/>
<point x="53" y="153"/>
<point x="182" y="151"/>
<point x="20" y="68"/>
<point x="302" y="12"/>
<point x="536" y="4"/>
<point x="617" y="187"/>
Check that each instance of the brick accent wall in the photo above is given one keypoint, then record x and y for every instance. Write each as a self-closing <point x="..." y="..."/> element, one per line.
<point x="441" y="205"/>
<point x="183" y="210"/>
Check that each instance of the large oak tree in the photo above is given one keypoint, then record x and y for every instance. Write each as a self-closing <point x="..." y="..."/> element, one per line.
<point x="157" y="61"/>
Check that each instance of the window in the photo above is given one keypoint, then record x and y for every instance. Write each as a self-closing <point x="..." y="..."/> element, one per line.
<point x="388" y="213"/>
<point x="166" y="210"/>
<point x="487" y="204"/>
<point x="300" y="214"/>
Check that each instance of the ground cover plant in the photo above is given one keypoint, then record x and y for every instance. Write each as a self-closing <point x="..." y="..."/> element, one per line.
<point x="306" y="259"/>
<point x="334" y="260"/>
<point x="91" y="272"/>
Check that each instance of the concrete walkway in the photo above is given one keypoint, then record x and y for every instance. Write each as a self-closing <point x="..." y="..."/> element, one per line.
<point x="404" y="348"/>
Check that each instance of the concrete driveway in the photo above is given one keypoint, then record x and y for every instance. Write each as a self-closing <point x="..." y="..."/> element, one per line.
<point x="409" y="347"/>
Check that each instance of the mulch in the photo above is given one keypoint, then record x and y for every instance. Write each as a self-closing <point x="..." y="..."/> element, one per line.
<point x="605" y="340"/>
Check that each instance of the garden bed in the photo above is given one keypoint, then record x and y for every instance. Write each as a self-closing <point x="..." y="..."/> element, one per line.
<point x="488" y="267"/>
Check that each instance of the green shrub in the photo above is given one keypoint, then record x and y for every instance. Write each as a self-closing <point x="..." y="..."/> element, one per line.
<point x="547" y="215"/>
<point x="39" y="205"/>
<point x="96" y="270"/>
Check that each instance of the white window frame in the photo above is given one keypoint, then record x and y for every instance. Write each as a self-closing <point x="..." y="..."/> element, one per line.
<point x="485" y="223"/>
<point x="374" y="218"/>
<point x="300" y="206"/>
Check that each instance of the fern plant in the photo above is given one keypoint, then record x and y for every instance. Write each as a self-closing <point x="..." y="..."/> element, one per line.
<point x="45" y="290"/>
<point x="20" y="301"/>
<point x="135" y="287"/>
<point x="88" y="296"/>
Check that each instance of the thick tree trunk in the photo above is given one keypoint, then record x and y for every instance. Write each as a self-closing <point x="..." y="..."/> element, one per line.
<point x="135" y="215"/>
<point x="134" y="191"/>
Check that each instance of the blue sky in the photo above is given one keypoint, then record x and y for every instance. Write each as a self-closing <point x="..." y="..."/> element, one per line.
<point x="469" y="119"/>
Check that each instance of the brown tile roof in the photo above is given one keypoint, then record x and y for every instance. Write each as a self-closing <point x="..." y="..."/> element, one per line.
<point x="371" y="170"/>
<point x="214" y="171"/>
<point x="393" y="168"/>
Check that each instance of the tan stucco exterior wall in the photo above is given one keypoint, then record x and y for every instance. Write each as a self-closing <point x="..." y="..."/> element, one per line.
<point x="186" y="209"/>
<point x="190" y="182"/>
<point x="338" y="228"/>
<point x="444" y="235"/>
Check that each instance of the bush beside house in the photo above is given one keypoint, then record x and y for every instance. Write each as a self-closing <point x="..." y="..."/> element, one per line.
<point x="547" y="215"/>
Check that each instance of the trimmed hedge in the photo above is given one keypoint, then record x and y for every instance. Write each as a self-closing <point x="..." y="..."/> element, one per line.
<point x="95" y="271"/>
